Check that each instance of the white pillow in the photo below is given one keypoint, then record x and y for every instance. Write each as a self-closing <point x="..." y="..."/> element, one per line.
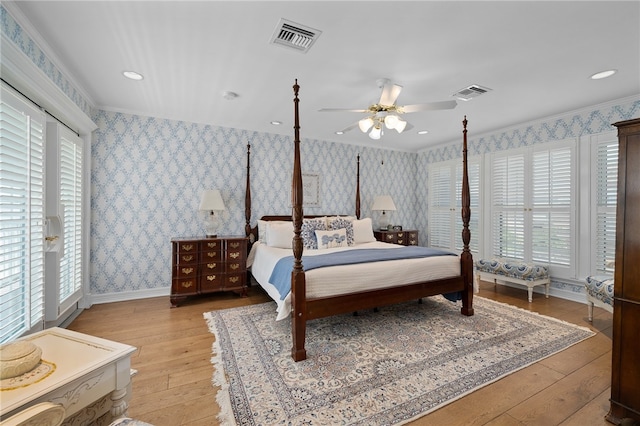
<point x="280" y="234"/>
<point x="363" y="231"/>
<point x="332" y="238"/>
<point x="262" y="228"/>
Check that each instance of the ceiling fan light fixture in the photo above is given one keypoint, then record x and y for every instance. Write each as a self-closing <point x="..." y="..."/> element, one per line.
<point x="400" y="125"/>
<point x="365" y="124"/>
<point x="375" y="133"/>
<point x="391" y="121"/>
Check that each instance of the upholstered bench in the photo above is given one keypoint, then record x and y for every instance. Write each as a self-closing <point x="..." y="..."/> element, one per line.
<point x="513" y="271"/>
<point x="599" y="289"/>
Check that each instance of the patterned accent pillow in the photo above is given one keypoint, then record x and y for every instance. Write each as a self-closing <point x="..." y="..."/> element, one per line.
<point x="332" y="238"/>
<point x="308" y="231"/>
<point x="343" y="222"/>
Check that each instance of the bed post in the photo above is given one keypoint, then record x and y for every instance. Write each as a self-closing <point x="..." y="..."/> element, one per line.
<point x="466" y="259"/>
<point x="247" y="198"/>
<point x="298" y="283"/>
<point x="358" y="188"/>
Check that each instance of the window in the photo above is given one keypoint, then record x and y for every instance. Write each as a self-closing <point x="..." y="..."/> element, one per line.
<point x="532" y="205"/>
<point x="21" y="216"/>
<point x="445" y="204"/>
<point x="606" y="184"/>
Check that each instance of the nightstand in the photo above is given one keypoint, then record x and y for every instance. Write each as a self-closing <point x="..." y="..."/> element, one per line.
<point x="207" y="265"/>
<point x="405" y="238"/>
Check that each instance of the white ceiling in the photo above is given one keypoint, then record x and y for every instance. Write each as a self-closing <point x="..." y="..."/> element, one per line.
<point x="535" y="56"/>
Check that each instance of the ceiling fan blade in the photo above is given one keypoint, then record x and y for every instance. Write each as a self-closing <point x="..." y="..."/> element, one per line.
<point x="342" y="110"/>
<point x="351" y="127"/>
<point x="389" y="94"/>
<point x="432" y="106"/>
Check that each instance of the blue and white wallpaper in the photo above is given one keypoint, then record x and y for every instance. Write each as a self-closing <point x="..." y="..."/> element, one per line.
<point x="148" y="174"/>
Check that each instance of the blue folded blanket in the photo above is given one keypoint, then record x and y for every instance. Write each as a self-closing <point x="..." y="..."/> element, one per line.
<point x="281" y="274"/>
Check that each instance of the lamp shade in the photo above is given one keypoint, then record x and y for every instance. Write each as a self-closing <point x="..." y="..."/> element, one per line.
<point x="384" y="203"/>
<point x="365" y="124"/>
<point x="211" y="200"/>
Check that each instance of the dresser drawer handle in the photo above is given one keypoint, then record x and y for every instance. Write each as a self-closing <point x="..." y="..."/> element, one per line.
<point x="389" y="237"/>
<point x="234" y="245"/>
<point x="234" y="279"/>
<point x="187" y="247"/>
<point x="234" y="255"/>
<point x="211" y="277"/>
<point x="186" y="284"/>
<point x="212" y="254"/>
<point x="187" y="270"/>
<point x="400" y="234"/>
<point x="211" y="265"/>
<point x="187" y="258"/>
<point x="234" y="266"/>
<point x="212" y="245"/>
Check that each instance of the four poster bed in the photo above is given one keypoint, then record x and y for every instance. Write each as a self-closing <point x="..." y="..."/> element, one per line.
<point x="314" y="289"/>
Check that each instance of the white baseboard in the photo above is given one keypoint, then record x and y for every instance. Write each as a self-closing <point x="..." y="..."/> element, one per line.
<point x="96" y="299"/>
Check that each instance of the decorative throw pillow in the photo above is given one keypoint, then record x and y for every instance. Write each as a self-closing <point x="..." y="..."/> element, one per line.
<point x="280" y="234"/>
<point x="343" y="222"/>
<point x="332" y="238"/>
<point x="363" y="231"/>
<point x="308" y="231"/>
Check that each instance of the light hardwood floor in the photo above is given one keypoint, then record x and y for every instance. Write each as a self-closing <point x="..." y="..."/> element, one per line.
<point x="173" y="385"/>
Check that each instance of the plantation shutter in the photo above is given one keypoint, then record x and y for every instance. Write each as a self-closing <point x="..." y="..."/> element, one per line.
<point x="551" y="232"/>
<point x="508" y="205"/>
<point x="606" y="201"/>
<point x="21" y="216"/>
<point x="71" y="200"/>
<point x="440" y="200"/>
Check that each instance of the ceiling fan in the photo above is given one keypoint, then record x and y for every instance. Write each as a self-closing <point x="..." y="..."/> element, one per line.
<point x="385" y="113"/>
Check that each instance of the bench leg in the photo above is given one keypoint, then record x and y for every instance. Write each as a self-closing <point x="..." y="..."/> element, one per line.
<point x="590" y="311"/>
<point x="546" y="290"/>
<point x="530" y="291"/>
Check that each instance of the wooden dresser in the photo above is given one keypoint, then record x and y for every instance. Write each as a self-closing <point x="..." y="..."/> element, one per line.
<point x="625" y="365"/>
<point x="207" y="265"/>
<point x="405" y="238"/>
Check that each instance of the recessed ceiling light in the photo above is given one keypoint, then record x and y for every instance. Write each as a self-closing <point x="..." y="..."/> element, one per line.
<point x="133" y="75"/>
<point x="276" y="123"/>
<point x="603" y="74"/>
<point x="423" y="132"/>
<point x="339" y="132"/>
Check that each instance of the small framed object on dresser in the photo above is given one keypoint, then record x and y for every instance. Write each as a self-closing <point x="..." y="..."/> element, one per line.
<point x="405" y="238"/>
<point x="207" y="265"/>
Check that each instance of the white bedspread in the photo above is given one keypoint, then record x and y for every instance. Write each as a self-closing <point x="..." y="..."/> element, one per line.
<point x="335" y="280"/>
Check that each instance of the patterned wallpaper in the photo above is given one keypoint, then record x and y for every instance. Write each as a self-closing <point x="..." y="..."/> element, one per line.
<point x="148" y="174"/>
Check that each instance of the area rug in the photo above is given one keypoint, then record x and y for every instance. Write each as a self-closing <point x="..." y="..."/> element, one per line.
<point x="384" y="367"/>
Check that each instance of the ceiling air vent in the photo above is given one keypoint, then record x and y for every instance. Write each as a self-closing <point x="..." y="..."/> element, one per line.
<point x="295" y="36"/>
<point x="470" y="92"/>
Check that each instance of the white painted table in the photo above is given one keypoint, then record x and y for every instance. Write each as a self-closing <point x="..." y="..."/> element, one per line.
<point x="89" y="376"/>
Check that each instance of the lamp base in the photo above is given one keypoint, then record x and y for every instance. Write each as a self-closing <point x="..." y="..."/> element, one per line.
<point x="383" y="223"/>
<point x="211" y="236"/>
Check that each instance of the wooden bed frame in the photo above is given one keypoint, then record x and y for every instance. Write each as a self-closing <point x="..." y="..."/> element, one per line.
<point x="304" y="309"/>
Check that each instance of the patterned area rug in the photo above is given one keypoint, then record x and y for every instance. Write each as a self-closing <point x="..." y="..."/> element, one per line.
<point x="378" y="368"/>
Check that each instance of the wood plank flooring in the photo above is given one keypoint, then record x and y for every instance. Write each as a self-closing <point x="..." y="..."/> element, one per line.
<point x="174" y="381"/>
